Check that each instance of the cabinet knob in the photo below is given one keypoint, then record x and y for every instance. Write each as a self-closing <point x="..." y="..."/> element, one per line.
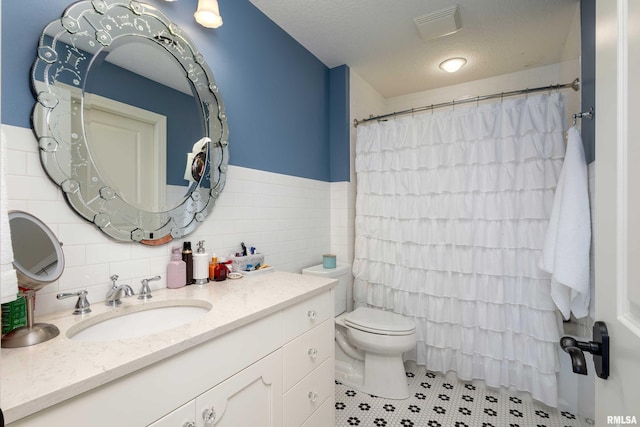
<point x="209" y="416"/>
<point x="312" y="314"/>
<point x="313" y="396"/>
<point x="313" y="353"/>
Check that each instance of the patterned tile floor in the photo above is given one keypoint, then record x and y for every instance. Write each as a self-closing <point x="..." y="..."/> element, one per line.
<point x="436" y="401"/>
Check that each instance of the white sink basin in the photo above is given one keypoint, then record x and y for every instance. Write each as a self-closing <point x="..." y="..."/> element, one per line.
<point x="138" y="321"/>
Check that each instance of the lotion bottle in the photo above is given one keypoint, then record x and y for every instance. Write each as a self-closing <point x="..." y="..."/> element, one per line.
<point x="176" y="270"/>
<point x="201" y="265"/>
<point x="187" y="257"/>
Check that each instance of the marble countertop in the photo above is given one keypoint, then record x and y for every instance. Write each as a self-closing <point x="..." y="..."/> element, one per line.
<point x="34" y="378"/>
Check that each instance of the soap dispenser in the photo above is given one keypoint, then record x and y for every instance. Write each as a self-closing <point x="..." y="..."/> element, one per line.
<point x="201" y="265"/>
<point x="176" y="270"/>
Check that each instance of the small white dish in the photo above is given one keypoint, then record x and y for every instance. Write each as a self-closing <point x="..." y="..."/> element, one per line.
<point x="234" y="275"/>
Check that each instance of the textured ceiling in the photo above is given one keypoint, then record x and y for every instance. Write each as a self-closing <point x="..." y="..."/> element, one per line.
<point x="378" y="39"/>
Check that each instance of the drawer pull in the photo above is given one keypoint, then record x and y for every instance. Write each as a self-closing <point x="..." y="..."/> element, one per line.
<point x="313" y="353"/>
<point x="209" y="416"/>
<point x="189" y="424"/>
<point x="312" y="314"/>
<point x="313" y="396"/>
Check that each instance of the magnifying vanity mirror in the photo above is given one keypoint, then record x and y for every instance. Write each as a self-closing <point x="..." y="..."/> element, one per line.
<point x="129" y="120"/>
<point x="38" y="260"/>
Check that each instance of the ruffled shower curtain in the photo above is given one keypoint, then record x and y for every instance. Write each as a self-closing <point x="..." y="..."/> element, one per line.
<point x="451" y="213"/>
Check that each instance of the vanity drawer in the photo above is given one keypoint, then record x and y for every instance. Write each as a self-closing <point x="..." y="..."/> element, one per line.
<point x="305" y="315"/>
<point x="307" y="352"/>
<point x="180" y="417"/>
<point x="324" y="416"/>
<point x="309" y="394"/>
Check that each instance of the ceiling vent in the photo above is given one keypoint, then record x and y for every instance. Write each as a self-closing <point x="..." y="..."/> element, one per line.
<point x="439" y="23"/>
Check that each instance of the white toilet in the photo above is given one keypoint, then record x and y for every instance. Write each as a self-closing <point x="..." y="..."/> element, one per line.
<point x="369" y="342"/>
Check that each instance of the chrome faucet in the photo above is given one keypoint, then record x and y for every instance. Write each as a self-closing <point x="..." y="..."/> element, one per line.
<point x="145" y="291"/>
<point x="82" y="305"/>
<point x="116" y="292"/>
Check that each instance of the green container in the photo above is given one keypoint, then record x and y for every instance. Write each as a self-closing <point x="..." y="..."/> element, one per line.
<point x="329" y="261"/>
<point x="14" y="314"/>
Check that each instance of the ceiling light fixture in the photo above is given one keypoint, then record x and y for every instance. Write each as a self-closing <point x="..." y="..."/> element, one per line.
<point x="208" y="14"/>
<point x="452" y="65"/>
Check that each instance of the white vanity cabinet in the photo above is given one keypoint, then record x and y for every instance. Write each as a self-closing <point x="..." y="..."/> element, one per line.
<point x="275" y="370"/>
<point x="252" y="397"/>
<point x="308" y="364"/>
<point x="303" y="370"/>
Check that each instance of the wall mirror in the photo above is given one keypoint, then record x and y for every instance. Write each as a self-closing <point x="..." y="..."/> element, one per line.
<point x="129" y="120"/>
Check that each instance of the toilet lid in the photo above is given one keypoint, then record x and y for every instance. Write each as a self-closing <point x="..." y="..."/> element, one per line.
<point x="379" y="321"/>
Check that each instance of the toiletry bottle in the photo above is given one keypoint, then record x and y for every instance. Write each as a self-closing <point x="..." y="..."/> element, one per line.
<point x="187" y="257"/>
<point x="220" y="272"/>
<point x="212" y="268"/>
<point x="176" y="270"/>
<point x="201" y="265"/>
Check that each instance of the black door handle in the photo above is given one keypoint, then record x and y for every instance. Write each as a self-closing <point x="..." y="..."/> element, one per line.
<point x="599" y="348"/>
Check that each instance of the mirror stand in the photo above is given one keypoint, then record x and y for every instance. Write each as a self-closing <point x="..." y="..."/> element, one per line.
<point x="33" y="333"/>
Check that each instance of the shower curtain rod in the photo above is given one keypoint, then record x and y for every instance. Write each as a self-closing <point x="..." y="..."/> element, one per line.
<point x="575" y="85"/>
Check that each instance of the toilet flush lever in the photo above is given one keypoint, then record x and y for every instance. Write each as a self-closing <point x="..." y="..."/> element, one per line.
<point x="599" y="348"/>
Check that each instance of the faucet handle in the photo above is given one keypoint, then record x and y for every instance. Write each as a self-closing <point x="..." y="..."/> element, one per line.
<point x="145" y="291"/>
<point x="151" y="279"/>
<point x="114" y="279"/>
<point x="82" y="305"/>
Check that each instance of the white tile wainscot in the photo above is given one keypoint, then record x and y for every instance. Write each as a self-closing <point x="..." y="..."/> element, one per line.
<point x="262" y="356"/>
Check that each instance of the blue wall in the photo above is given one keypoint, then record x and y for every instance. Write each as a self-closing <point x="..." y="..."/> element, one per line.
<point x="276" y="93"/>
<point x="339" y="134"/>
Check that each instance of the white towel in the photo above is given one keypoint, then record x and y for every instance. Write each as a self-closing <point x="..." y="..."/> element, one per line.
<point x="568" y="239"/>
<point x="8" y="279"/>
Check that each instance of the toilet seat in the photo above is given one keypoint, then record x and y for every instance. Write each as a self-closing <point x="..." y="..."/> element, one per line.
<point x="380" y="322"/>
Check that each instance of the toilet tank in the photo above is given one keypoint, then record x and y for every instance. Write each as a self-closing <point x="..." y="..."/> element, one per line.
<point x="341" y="272"/>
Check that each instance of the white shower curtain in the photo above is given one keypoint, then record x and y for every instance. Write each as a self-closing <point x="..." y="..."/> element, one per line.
<point x="451" y="213"/>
